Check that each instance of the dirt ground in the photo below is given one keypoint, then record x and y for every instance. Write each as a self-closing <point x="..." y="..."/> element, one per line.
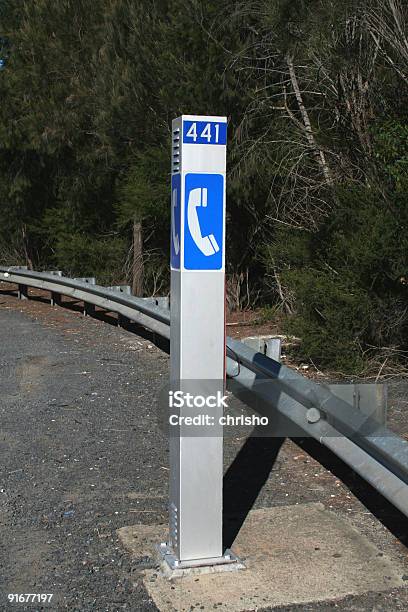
<point x="82" y="456"/>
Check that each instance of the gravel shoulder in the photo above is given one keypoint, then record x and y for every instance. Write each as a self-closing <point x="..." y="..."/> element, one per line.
<point x="81" y="456"/>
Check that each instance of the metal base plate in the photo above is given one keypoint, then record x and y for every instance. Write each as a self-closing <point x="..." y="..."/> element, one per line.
<point x="168" y="557"/>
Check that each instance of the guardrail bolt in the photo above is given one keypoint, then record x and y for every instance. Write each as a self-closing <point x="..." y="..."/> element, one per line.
<point x="313" y="415"/>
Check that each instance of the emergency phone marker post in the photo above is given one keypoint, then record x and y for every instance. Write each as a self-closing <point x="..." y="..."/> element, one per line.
<point x="197" y="341"/>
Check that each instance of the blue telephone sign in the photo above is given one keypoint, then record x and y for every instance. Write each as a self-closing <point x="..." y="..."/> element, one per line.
<point x="204" y="222"/>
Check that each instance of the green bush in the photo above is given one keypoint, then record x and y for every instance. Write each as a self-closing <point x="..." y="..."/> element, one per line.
<point x="332" y="318"/>
<point x="81" y="255"/>
<point x="349" y="280"/>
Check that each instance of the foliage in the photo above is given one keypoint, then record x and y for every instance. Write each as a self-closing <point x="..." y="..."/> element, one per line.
<point x="352" y="292"/>
<point x="391" y="139"/>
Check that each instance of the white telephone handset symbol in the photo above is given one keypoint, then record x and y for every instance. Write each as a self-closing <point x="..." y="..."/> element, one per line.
<point x="176" y="240"/>
<point x="207" y="244"/>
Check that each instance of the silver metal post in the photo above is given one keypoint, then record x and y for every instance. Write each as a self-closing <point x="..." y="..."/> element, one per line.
<point x="197" y="339"/>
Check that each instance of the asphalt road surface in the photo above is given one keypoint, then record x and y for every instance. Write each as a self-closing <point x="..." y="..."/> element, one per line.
<point x="82" y="455"/>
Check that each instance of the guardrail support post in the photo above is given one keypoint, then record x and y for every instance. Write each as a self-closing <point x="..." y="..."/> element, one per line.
<point x="122" y="320"/>
<point x="22" y="292"/>
<point x="55" y="299"/>
<point x="197" y="340"/>
<point x="89" y="309"/>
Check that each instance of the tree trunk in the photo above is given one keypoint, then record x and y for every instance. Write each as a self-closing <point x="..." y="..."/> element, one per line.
<point x="320" y="156"/>
<point x="28" y="259"/>
<point x="137" y="281"/>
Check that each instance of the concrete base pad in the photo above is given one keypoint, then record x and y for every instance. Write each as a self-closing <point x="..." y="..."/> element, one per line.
<point x="292" y="554"/>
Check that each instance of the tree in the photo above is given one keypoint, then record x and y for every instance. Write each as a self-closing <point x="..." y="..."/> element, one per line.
<point x="315" y="95"/>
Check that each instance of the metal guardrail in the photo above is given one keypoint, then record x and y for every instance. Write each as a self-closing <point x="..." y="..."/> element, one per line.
<point x="373" y="451"/>
<point x="366" y="432"/>
<point x="380" y="457"/>
<point x="136" y="309"/>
